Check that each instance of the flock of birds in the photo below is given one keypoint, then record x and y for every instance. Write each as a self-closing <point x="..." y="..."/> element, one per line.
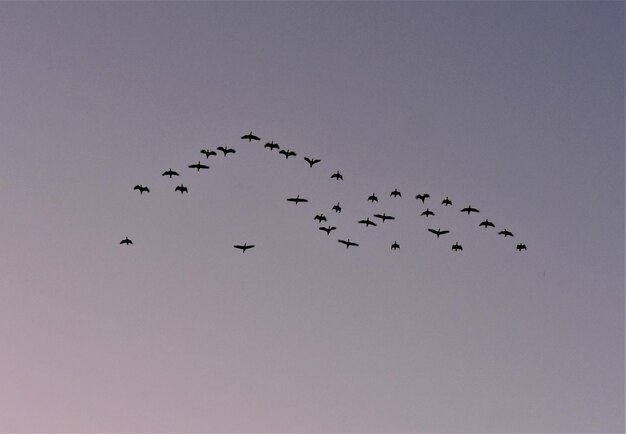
<point x="287" y="153"/>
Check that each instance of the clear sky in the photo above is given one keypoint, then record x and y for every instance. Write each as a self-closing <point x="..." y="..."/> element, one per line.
<point x="515" y="108"/>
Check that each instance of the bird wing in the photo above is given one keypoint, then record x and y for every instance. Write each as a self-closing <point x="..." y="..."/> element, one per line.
<point x="343" y="242"/>
<point x="433" y="231"/>
<point x="443" y="232"/>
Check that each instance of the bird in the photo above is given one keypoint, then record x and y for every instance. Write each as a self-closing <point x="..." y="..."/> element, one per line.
<point x="126" y="241"/>
<point x="208" y="152"/>
<point x="446" y="201"/>
<point x="327" y="229"/>
<point x="287" y="153"/>
<point x="182" y="189"/>
<point x="367" y="222"/>
<point x="244" y="247"/>
<point x="505" y="233"/>
<point x="521" y="247"/>
<point x="271" y="146"/>
<point x="320" y="218"/>
<point x="170" y="173"/>
<point x="395" y="246"/>
<point x="395" y="193"/>
<point x="226" y="150"/>
<point x="250" y="137"/>
<point x="337" y="176"/>
<point x="337" y="208"/>
<point x="456" y="247"/>
<point x="486" y="224"/>
<point x="438" y="232"/>
<point x="427" y="213"/>
<point x="348" y="243"/>
<point x="372" y="198"/>
<point x="311" y="161"/>
<point x="422" y="197"/>
<point x="469" y="210"/>
<point x="297" y="199"/>
<point x="141" y="189"/>
<point x="384" y="217"/>
<point x="198" y="166"/>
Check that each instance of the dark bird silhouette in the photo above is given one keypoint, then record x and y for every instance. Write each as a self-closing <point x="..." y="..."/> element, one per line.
<point x="456" y="247"/>
<point x="372" y="198"/>
<point x="395" y="246"/>
<point x="141" y="189"/>
<point x="208" y="152"/>
<point x="311" y="161"/>
<point x="438" y="232"/>
<point x="126" y="241"/>
<point x="384" y="217"/>
<point x="521" y="247"/>
<point x="327" y="229"/>
<point x="337" y="208"/>
<point x="487" y="224"/>
<point x="469" y="210"/>
<point x="250" y="137"/>
<point x="182" y="189"/>
<point x="446" y="201"/>
<point x="297" y="199"/>
<point x="170" y="173"/>
<point x="226" y="150"/>
<point x="198" y="166"/>
<point x="244" y="247"/>
<point x="337" y="176"/>
<point x="367" y="222"/>
<point x="320" y="218"/>
<point x="395" y="193"/>
<point x="348" y="243"/>
<point x="287" y="153"/>
<point x="271" y="146"/>
<point x="427" y="213"/>
<point x="505" y="233"/>
<point x="422" y="197"/>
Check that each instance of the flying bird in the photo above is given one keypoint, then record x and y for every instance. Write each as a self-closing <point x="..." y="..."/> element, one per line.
<point x="456" y="247"/>
<point x="271" y="146"/>
<point x="367" y="222"/>
<point x="141" y="189"/>
<point x="287" y="153"/>
<point x="198" y="166"/>
<point x="395" y="193"/>
<point x="244" y="247"/>
<point x="486" y="224"/>
<point x="422" y="197"/>
<point x="446" y="201"/>
<point x="320" y="218"/>
<point x="438" y="232"/>
<point x="208" y="152"/>
<point x="327" y="229"/>
<point x="348" y="243"/>
<point x="226" y="150"/>
<point x="337" y="208"/>
<point x="427" y="213"/>
<point x="505" y="233"/>
<point x="250" y="137"/>
<point x="521" y="247"/>
<point x="469" y="210"/>
<point x="337" y="176"/>
<point x="126" y="241"/>
<point x="297" y="199"/>
<point x="384" y="217"/>
<point x="395" y="246"/>
<point x="311" y="161"/>
<point x="372" y="198"/>
<point x="170" y="173"/>
<point x="182" y="189"/>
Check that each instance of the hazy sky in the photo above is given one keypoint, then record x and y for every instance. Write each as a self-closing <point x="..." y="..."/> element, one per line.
<point x="516" y="108"/>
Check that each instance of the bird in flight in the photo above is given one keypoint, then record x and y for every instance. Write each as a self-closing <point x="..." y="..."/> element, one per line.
<point x="327" y="229"/>
<point x="446" y="201"/>
<point x="141" y="189"/>
<point x="250" y="137"/>
<point x="486" y="224"/>
<point x="469" y="210"/>
<point x="395" y="246"/>
<point x="348" y="243"/>
<point x="396" y="193"/>
<point x="456" y="247"/>
<point x="422" y="197"/>
<point x="198" y="166"/>
<point x="384" y="217"/>
<point x="182" y="189"/>
<point x="427" y="213"/>
<point x="126" y="241"/>
<point x="311" y="161"/>
<point x="271" y="145"/>
<point x="208" y="152"/>
<point x="320" y="218"/>
<point x="226" y="150"/>
<point x="337" y="208"/>
<point x="337" y="176"/>
<point x="297" y="199"/>
<point x="438" y="232"/>
<point x="521" y="247"/>
<point x="287" y="153"/>
<point x="372" y="198"/>
<point x="505" y="233"/>
<point x="170" y="173"/>
<point x="244" y="247"/>
<point x="367" y="222"/>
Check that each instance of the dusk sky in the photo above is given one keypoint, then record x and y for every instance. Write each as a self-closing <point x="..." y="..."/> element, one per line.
<point x="515" y="108"/>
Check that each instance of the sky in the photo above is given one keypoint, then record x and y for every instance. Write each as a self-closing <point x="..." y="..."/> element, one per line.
<point x="515" y="108"/>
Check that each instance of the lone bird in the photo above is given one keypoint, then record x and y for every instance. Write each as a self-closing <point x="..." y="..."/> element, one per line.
<point x="395" y="246"/>
<point x="297" y="199"/>
<point x="287" y="153"/>
<point x="521" y="247"/>
<point x="250" y="137"/>
<point x="320" y="218"/>
<point x="505" y="233"/>
<point x="126" y="241"/>
<point x="182" y="189"/>
<point x="244" y="247"/>
<point x="348" y="243"/>
<point x="226" y="150"/>
<point x="372" y="198"/>
<point x="170" y="173"/>
<point x="311" y="161"/>
<point x="456" y="247"/>
<point x="141" y="189"/>
<point x="327" y="229"/>
<point x="446" y="201"/>
<point x="469" y="210"/>
<point x="337" y="208"/>
<point x="208" y="152"/>
<point x="438" y="232"/>
<point x="337" y="176"/>
<point x="198" y="166"/>
<point x="384" y="217"/>
<point x="395" y="193"/>
<point x="487" y="224"/>
<point x="427" y="213"/>
<point x="367" y="222"/>
<point x="271" y="146"/>
<point x="422" y="197"/>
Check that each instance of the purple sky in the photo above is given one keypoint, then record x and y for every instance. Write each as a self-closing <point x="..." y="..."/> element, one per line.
<point x="516" y="108"/>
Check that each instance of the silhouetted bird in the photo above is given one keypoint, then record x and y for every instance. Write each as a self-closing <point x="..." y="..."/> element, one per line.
<point x="486" y="224"/>
<point x="384" y="217"/>
<point x="170" y="173"/>
<point x="327" y="229"/>
<point x="311" y="161"/>
<point x="438" y="232"/>
<point x="337" y="176"/>
<point x="372" y="198"/>
<point x="505" y="233"/>
<point x="396" y="193"/>
<point x="521" y="247"/>
<point x="208" y="152"/>
<point x="367" y="222"/>
<point x="422" y="197"/>
<point x="126" y="241"/>
<point x="320" y="218"/>
<point x="446" y="201"/>
<point x="427" y="213"/>
<point x="348" y="243"/>
<point x="469" y="210"/>
<point x="182" y="189"/>
<point x="250" y="137"/>
<point x="456" y="247"/>
<point x="141" y="189"/>
<point x="337" y="208"/>
<point x="244" y="247"/>
<point x="226" y="150"/>
<point x="297" y="199"/>
<point x="198" y="166"/>
<point x="271" y="146"/>
<point x="395" y="246"/>
<point x="287" y="153"/>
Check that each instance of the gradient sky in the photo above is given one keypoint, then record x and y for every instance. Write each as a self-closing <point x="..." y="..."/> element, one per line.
<point x="516" y="108"/>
